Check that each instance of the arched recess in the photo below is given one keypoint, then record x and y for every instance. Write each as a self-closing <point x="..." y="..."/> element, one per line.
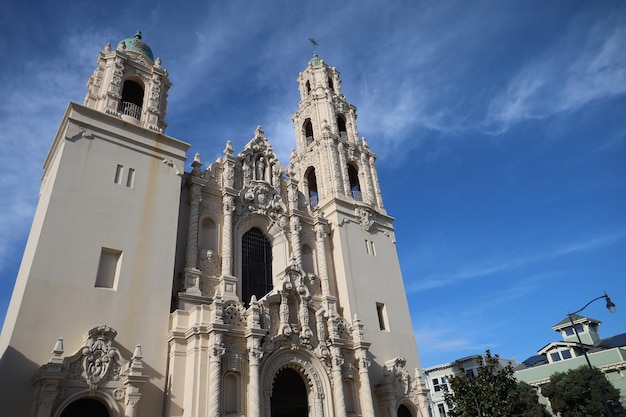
<point x="208" y="234"/>
<point x="289" y="395"/>
<point x="355" y="186"/>
<point x="86" y="407"/>
<point x="331" y="85"/>
<point x="341" y="125"/>
<point x="232" y="394"/>
<point x="404" y="411"/>
<point x="307" y="129"/>
<point x="84" y="403"/>
<point x="308" y="259"/>
<point x="132" y="98"/>
<point x="308" y="88"/>
<point x="350" y="394"/>
<point x="311" y="186"/>
<point x="276" y="237"/>
<point x="309" y="369"/>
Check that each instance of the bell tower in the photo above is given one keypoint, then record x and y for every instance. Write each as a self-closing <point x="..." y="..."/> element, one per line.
<point x="339" y="182"/>
<point x="131" y="84"/>
<point x="100" y="253"/>
<point x="335" y="163"/>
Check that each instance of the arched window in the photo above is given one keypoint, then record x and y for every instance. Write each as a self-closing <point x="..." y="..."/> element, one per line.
<point x="85" y="407"/>
<point x="308" y="88"/>
<point x="330" y="84"/>
<point x="355" y="187"/>
<point x="256" y="265"/>
<point x="403" y="411"/>
<point x="312" y="186"/>
<point x="289" y="395"/>
<point x="341" y="124"/>
<point x="308" y="131"/>
<point x="132" y="99"/>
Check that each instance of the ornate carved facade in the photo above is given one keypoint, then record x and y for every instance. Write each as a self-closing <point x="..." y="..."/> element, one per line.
<point x="286" y="296"/>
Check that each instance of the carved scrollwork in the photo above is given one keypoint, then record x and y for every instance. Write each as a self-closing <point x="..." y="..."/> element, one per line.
<point x="366" y="219"/>
<point x="100" y="357"/>
<point x="235" y="314"/>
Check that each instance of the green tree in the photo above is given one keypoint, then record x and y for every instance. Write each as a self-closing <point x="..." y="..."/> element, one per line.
<point x="492" y="392"/>
<point x="575" y="394"/>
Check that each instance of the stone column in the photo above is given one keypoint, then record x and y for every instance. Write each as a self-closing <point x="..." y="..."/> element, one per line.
<point x="366" y="390"/>
<point x="338" y="395"/>
<point x="295" y="239"/>
<point x="343" y="167"/>
<point x="215" y="375"/>
<point x="369" y="194"/>
<point x="374" y="174"/>
<point x="336" y="168"/>
<point x="227" y="236"/>
<point x="192" y="273"/>
<point x="320" y="235"/>
<point x="253" y="392"/>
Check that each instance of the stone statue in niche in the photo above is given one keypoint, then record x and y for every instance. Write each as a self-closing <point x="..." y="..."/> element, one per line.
<point x="209" y="262"/>
<point x="260" y="169"/>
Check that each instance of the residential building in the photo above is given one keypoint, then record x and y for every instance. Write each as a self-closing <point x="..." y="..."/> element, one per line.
<point x="608" y="355"/>
<point x="437" y="378"/>
<point x="243" y="287"/>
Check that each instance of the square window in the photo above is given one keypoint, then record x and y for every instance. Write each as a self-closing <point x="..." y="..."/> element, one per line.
<point x="382" y="316"/>
<point x="108" y="268"/>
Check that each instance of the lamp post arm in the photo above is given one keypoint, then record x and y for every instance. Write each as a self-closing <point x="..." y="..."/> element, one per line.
<point x="587" y="305"/>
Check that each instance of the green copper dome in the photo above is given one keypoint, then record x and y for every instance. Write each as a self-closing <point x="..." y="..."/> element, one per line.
<point x="137" y="45"/>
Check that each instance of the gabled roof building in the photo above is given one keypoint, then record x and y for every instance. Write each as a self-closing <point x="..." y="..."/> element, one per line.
<point x="608" y="355"/>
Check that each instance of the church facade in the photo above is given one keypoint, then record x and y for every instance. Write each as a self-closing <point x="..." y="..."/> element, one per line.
<point x="243" y="287"/>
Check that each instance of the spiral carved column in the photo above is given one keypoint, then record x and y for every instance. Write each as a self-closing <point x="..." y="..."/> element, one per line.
<point x="338" y="395"/>
<point x="227" y="237"/>
<point x="254" y="358"/>
<point x="320" y="234"/>
<point x="215" y="375"/>
<point x="366" y="389"/>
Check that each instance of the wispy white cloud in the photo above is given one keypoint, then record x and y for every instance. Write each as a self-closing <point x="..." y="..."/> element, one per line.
<point x="567" y="77"/>
<point x="487" y="268"/>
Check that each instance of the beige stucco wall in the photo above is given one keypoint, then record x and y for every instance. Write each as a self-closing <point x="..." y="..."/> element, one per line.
<point x="81" y="211"/>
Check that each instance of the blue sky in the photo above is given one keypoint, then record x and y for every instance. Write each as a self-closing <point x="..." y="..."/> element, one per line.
<point x="499" y="128"/>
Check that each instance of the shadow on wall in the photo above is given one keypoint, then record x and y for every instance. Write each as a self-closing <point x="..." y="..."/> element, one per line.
<point x="16" y="388"/>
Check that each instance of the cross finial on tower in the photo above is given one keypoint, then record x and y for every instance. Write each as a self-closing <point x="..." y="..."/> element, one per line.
<point x="314" y="43"/>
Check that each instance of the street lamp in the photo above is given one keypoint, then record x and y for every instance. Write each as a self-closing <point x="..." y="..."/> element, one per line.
<point x="611" y="307"/>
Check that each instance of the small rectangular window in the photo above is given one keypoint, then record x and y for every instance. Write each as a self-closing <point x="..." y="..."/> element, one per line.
<point x="130" y="181"/>
<point x="382" y="316"/>
<point x="119" y="172"/>
<point x="108" y="268"/>
<point x="555" y="356"/>
<point x="566" y="354"/>
<point x="442" y="410"/>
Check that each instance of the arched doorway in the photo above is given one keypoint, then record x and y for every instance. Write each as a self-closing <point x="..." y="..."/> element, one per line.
<point x="86" y="407"/>
<point x="289" y="395"/>
<point x="403" y="411"/>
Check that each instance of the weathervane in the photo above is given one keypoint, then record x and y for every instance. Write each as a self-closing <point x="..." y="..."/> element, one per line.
<point x="314" y="43"/>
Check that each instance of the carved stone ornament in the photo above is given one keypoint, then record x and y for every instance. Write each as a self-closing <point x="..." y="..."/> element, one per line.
<point x="260" y="198"/>
<point x="210" y="262"/>
<point x="235" y="315"/>
<point x="395" y="374"/>
<point x="100" y="358"/>
<point x="366" y="219"/>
